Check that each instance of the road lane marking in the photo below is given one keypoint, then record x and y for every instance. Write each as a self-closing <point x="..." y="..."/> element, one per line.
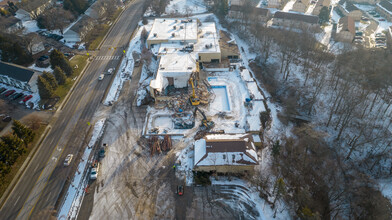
<point x="36" y="168"/>
<point x="47" y="198"/>
<point x="17" y="201"/>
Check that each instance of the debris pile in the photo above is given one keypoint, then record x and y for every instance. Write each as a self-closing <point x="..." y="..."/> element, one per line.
<point x="157" y="145"/>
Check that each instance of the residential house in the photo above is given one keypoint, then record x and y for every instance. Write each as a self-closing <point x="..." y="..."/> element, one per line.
<point x="23" y="15"/>
<point x="255" y="15"/>
<point x="385" y="9"/>
<point x="295" y="20"/>
<point x="349" y="9"/>
<point x="10" y="24"/>
<point x="299" y="6"/>
<point x="225" y="153"/>
<point x="96" y="10"/>
<point x="78" y="31"/>
<point x="319" y="5"/>
<point x="19" y="76"/>
<point x="36" y="44"/>
<point x="274" y="3"/>
<point x="345" y="31"/>
<point x="237" y="2"/>
<point x="31" y="9"/>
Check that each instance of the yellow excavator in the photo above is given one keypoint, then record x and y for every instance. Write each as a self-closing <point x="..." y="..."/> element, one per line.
<point x="193" y="99"/>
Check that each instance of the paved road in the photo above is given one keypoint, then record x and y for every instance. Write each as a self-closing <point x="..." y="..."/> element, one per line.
<point x="41" y="183"/>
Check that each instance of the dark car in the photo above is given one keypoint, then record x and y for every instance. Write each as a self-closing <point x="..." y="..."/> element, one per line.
<point x="180" y="190"/>
<point x="17" y="96"/>
<point x="13" y="95"/>
<point x="6" y="118"/>
<point x="8" y="93"/>
<point x="43" y="58"/>
<point x="55" y="36"/>
<point x="27" y="98"/>
<point x="2" y="90"/>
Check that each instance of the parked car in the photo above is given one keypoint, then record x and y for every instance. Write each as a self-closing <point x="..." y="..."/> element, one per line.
<point x="381" y="19"/>
<point x="376" y="16"/>
<point x="68" y="160"/>
<point x="9" y="92"/>
<point x="359" y="33"/>
<point x="180" y="190"/>
<point x="372" y="12"/>
<point x="94" y="171"/>
<point x="27" y="98"/>
<point x="13" y="95"/>
<point x="5" y="118"/>
<point x="2" y="90"/>
<point x="17" y="96"/>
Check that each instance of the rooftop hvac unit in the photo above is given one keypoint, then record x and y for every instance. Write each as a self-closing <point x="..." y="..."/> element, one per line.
<point x="173" y="34"/>
<point x="181" y="27"/>
<point x="155" y="35"/>
<point x="174" y="27"/>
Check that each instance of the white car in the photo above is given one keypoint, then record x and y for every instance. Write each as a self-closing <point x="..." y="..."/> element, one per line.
<point x="101" y="77"/>
<point x="94" y="172"/>
<point x="68" y="160"/>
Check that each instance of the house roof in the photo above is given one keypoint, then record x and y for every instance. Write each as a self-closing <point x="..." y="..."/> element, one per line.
<point x="255" y="10"/>
<point x="32" y="5"/>
<point x="81" y="24"/>
<point x="346" y="24"/>
<point x="386" y="5"/>
<point x="8" y="22"/>
<point x="297" y="17"/>
<point x="16" y="72"/>
<point x="348" y="6"/>
<point x="225" y="149"/>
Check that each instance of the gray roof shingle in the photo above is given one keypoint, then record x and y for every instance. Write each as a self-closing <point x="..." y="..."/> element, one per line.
<point x="16" y="72"/>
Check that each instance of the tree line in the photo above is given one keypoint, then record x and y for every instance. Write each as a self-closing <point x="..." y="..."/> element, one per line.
<point x="329" y="167"/>
<point x="13" y="145"/>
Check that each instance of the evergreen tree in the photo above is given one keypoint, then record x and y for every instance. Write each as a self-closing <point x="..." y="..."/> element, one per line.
<point x="324" y="14"/>
<point x="58" y="59"/>
<point x="23" y="132"/>
<point x="50" y="79"/>
<point x="44" y="88"/>
<point x="76" y="6"/>
<point x="60" y="76"/>
<point x="12" y="148"/>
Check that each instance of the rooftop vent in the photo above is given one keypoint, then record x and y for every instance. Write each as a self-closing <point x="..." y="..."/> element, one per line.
<point x="155" y="35"/>
<point x="174" y="27"/>
<point x="181" y="27"/>
<point x="173" y="34"/>
<point x="189" y="68"/>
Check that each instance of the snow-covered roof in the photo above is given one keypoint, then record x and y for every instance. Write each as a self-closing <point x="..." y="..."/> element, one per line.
<point x="208" y="41"/>
<point x="225" y="149"/>
<point x="174" y="30"/>
<point x="176" y="65"/>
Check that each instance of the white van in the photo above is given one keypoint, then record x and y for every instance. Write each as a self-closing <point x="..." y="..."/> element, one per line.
<point x="101" y="77"/>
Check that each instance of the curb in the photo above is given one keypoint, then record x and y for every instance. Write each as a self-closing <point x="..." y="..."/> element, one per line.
<point x="22" y="169"/>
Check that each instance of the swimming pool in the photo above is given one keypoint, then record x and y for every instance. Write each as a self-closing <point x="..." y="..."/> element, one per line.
<point x="221" y="101"/>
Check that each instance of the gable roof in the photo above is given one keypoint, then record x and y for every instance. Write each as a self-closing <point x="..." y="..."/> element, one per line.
<point x="8" y="22"/>
<point x="297" y="17"/>
<point x="386" y="5"/>
<point x="225" y="149"/>
<point x="346" y="24"/>
<point x="348" y="5"/>
<point x="16" y="72"/>
<point x="32" y="5"/>
<point x="84" y="22"/>
<point x="255" y="10"/>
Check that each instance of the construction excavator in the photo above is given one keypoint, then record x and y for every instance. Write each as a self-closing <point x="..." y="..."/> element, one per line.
<point x="205" y="123"/>
<point x="195" y="101"/>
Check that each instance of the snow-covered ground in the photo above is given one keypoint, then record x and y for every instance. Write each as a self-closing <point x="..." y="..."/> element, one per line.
<point x="186" y="6"/>
<point x="289" y="5"/>
<point x="126" y="67"/>
<point x="74" y="195"/>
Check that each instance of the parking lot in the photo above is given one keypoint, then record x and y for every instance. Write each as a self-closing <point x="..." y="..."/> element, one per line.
<point x="9" y="106"/>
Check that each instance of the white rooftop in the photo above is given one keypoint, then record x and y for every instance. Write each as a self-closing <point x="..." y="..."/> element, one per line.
<point x="174" y="30"/>
<point x="179" y="66"/>
<point x="208" y="41"/>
